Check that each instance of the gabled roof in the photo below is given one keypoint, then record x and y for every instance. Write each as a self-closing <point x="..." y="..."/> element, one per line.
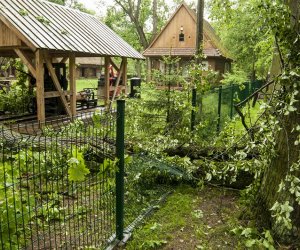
<point x="46" y="25"/>
<point x="218" y="50"/>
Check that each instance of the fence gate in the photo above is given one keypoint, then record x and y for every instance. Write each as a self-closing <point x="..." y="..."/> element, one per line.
<point x="57" y="185"/>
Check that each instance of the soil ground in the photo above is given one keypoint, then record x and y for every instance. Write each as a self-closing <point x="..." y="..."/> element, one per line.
<point x="191" y="219"/>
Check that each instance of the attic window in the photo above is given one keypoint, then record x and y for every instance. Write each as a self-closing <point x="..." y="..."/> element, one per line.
<point x="181" y="35"/>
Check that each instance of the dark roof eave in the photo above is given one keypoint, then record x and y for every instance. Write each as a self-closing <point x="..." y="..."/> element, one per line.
<point x="191" y="55"/>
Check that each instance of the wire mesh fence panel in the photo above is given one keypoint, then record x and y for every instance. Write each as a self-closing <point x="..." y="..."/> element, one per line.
<point x="226" y="105"/>
<point x="216" y="107"/>
<point x="207" y="113"/>
<point x="255" y="85"/>
<point x="57" y="185"/>
<point x="145" y="184"/>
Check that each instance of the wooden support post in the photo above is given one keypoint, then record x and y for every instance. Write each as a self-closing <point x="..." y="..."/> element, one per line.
<point x="57" y="84"/>
<point x="27" y="61"/>
<point x="125" y="63"/>
<point x="39" y="66"/>
<point x="72" y="75"/>
<point x="107" y="81"/>
<point x="117" y="83"/>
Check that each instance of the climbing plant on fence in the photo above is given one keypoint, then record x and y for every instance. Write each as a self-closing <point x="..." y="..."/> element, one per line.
<point x="58" y="185"/>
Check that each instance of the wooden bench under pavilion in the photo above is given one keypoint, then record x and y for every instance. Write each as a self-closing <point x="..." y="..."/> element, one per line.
<point x="39" y="32"/>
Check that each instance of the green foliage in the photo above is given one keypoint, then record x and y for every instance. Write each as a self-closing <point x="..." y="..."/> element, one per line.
<point x="17" y="98"/>
<point x="23" y="12"/>
<point x="75" y="4"/>
<point x="80" y="6"/>
<point x="61" y="2"/>
<point x="235" y="77"/>
<point x="275" y="144"/>
<point x="243" y="32"/>
<point x="77" y="170"/>
<point x="14" y="208"/>
<point x="254" y="240"/>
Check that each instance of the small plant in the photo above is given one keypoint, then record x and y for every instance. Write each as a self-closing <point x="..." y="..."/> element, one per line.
<point x="153" y="244"/>
<point x="43" y="20"/>
<point x="64" y="32"/>
<point x="254" y="240"/>
<point x="23" y="12"/>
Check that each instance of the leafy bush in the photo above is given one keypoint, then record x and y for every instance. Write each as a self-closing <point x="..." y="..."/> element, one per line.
<point x="14" y="208"/>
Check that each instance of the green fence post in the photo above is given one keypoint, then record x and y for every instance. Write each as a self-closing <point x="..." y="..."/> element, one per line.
<point x="194" y="103"/>
<point x="120" y="149"/>
<point x="232" y="101"/>
<point x="219" y="110"/>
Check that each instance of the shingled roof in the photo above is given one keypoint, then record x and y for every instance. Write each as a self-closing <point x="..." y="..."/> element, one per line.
<point x="46" y="25"/>
<point x="182" y="52"/>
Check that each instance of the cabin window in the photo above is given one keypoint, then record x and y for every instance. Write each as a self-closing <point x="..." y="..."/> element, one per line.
<point x="181" y="37"/>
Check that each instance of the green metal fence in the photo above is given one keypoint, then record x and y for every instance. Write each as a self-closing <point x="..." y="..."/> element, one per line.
<point x="61" y="186"/>
<point x="57" y="184"/>
<point x="217" y="106"/>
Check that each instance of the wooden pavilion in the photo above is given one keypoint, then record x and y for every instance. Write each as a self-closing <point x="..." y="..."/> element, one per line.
<point x="39" y="32"/>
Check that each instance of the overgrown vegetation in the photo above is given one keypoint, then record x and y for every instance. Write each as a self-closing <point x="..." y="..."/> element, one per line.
<point x="259" y="155"/>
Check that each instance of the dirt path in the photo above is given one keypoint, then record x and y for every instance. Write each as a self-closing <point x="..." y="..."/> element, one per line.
<point x="191" y="219"/>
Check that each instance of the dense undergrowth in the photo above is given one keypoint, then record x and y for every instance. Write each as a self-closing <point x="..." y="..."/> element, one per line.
<point x="203" y="156"/>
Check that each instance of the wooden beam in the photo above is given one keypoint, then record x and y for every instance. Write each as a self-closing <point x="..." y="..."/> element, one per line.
<point x="27" y="61"/>
<point x="39" y="66"/>
<point x="64" y="59"/>
<point x="7" y="48"/>
<point x="117" y="83"/>
<point x="72" y="76"/>
<point x="114" y="65"/>
<point x="51" y="94"/>
<point x="57" y="84"/>
<point x="106" y="79"/>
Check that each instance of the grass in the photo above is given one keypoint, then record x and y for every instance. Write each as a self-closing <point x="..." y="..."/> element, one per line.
<point x="251" y="116"/>
<point x="191" y="219"/>
<point x="86" y="83"/>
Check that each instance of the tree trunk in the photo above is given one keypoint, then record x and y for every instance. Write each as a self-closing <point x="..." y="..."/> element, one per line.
<point x="138" y="68"/>
<point x="287" y="155"/>
<point x="199" y="31"/>
<point x="154" y="20"/>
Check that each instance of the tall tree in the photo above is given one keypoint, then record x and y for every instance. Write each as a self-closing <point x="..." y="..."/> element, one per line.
<point x="243" y="32"/>
<point x="137" y="21"/>
<point x="278" y="188"/>
<point x="199" y="36"/>
<point x="279" y="194"/>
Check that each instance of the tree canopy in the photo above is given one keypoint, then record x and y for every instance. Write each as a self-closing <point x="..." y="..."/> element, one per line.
<point x="243" y="31"/>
